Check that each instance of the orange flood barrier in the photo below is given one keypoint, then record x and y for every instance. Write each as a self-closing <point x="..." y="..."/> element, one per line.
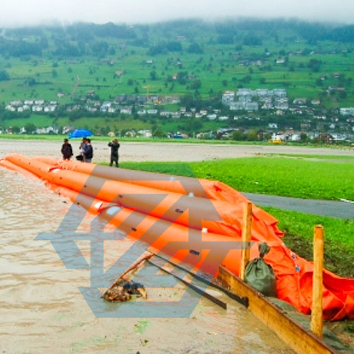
<point x="197" y="222"/>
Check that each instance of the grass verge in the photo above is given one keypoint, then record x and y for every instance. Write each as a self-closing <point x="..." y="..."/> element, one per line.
<point x="288" y="177"/>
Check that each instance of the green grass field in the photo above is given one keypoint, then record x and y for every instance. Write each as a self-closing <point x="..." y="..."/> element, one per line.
<point x="291" y="177"/>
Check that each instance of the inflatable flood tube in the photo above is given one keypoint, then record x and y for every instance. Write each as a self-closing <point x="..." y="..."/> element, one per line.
<point x="217" y="216"/>
<point x="204" y="248"/>
<point x="211" y="190"/>
<point x="177" y="241"/>
<point x="184" y="185"/>
<point x="13" y="167"/>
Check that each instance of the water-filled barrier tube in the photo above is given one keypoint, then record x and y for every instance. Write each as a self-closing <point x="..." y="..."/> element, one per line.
<point x="195" y="222"/>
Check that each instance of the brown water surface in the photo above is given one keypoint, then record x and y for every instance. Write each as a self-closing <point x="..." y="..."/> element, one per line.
<point x="42" y="310"/>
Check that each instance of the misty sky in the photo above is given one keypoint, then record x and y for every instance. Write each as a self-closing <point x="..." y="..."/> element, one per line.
<point x="15" y="13"/>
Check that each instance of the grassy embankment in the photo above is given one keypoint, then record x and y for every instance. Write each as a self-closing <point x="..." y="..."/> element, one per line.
<point x="314" y="177"/>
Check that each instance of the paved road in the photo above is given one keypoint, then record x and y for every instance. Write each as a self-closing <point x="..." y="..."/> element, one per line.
<point x="343" y="210"/>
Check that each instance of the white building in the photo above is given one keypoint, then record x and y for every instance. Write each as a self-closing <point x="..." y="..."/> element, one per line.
<point x="152" y="111"/>
<point x="227" y="97"/>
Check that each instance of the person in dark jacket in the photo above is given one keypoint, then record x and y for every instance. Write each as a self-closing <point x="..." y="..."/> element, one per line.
<point x="66" y="150"/>
<point x="114" y="145"/>
<point x="87" y="151"/>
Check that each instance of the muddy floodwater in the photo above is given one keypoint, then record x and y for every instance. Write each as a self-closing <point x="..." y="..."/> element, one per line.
<point x="43" y="311"/>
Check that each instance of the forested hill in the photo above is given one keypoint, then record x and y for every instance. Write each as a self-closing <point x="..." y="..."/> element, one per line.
<point x="82" y="39"/>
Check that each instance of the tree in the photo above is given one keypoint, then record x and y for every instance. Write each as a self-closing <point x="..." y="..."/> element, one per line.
<point x="174" y="46"/>
<point x="182" y="77"/>
<point x="15" y="129"/>
<point x="342" y="95"/>
<point x="252" y="135"/>
<point x="238" y="135"/>
<point x="100" y="48"/>
<point x="158" y="132"/>
<point x="225" y="39"/>
<point x="314" y="65"/>
<point x="153" y="75"/>
<point x="195" y="48"/>
<point x="196" y="84"/>
<point x="252" y="40"/>
<point x="158" y="49"/>
<point x="246" y="79"/>
<point x="30" y="128"/>
<point x="192" y="124"/>
<point x="319" y="82"/>
<point x="112" y="51"/>
<point x="31" y="81"/>
<point x="303" y="137"/>
<point x="4" y="75"/>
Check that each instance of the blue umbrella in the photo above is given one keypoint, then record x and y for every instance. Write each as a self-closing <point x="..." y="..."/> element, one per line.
<point x="80" y="133"/>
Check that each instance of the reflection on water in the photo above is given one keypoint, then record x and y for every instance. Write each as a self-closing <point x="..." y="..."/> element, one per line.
<point x="42" y="310"/>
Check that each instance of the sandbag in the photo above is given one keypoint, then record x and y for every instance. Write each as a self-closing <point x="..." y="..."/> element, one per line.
<point x="260" y="275"/>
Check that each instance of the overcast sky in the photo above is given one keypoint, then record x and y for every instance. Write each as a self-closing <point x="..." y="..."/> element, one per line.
<point x="15" y="13"/>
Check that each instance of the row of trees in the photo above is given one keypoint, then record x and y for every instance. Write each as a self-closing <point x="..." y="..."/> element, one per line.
<point x="29" y="127"/>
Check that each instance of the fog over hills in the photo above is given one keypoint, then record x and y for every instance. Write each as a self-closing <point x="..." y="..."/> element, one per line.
<point x="16" y="13"/>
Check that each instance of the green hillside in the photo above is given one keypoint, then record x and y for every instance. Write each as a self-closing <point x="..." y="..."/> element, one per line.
<point x="193" y="60"/>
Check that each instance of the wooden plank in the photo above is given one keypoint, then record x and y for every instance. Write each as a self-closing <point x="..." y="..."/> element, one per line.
<point x="316" y="308"/>
<point x="246" y="239"/>
<point x="291" y="332"/>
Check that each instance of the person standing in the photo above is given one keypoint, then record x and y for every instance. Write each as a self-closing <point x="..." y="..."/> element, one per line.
<point x="87" y="151"/>
<point x="81" y="156"/>
<point x="82" y="144"/>
<point x="114" y="145"/>
<point x="66" y="150"/>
